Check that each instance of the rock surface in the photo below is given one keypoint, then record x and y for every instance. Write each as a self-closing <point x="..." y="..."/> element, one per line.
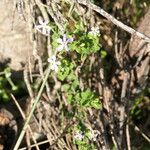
<point x="15" y="42"/>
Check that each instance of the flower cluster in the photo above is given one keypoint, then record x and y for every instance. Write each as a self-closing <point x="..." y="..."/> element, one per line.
<point x="93" y="134"/>
<point x="54" y="63"/>
<point x="95" y="31"/>
<point x="62" y="42"/>
<point x="79" y="135"/>
<point x="43" y="27"/>
<point x="63" y="45"/>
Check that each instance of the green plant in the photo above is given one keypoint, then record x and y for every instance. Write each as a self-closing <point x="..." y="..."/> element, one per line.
<point x="80" y="43"/>
<point x="84" y="137"/>
<point x="7" y="86"/>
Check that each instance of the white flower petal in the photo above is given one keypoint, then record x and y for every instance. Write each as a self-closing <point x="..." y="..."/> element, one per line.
<point x="49" y="59"/>
<point x="64" y="43"/>
<point x="54" y="67"/>
<point x="70" y="40"/>
<point x="44" y="31"/>
<point x="64" y="38"/>
<point x="43" y="27"/>
<point x="79" y="135"/>
<point x="41" y="21"/>
<point x="95" y="31"/>
<point x="38" y="29"/>
<point x="54" y="58"/>
<point x="46" y="22"/>
<point x="38" y="26"/>
<point x="60" y="48"/>
<point x="58" y="63"/>
<point x="54" y="63"/>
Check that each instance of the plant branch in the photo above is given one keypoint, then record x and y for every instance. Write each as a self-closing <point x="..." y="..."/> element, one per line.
<point x="113" y="19"/>
<point x="32" y="110"/>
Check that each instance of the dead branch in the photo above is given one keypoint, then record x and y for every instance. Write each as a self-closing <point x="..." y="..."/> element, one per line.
<point x="113" y="19"/>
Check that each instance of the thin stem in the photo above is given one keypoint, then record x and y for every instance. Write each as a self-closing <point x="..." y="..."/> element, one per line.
<point x="32" y="110"/>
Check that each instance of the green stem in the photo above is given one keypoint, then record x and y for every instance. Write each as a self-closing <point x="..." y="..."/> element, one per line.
<point x="71" y="9"/>
<point x="32" y="110"/>
<point x="10" y="82"/>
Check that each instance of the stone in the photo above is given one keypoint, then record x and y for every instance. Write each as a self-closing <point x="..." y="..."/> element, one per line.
<point x="16" y="44"/>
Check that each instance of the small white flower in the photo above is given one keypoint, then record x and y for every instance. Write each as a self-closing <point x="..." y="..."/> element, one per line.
<point x="64" y="43"/>
<point x="43" y="27"/>
<point x="54" y="63"/>
<point x="94" y="134"/>
<point x="94" y="31"/>
<point x="79" y="135"/>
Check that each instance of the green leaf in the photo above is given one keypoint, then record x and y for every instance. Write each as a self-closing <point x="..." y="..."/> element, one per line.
<point x="87" y="99"/>
<point x="70" y="98"/>
<point x="66" y="70"/>
<point x="5" y="96"/>
<point x="103" y="53"/>
<point x="15" y="88"/>
<point x="96" y="104"/>
<point x="7" y="72"/>
<point x="85" y="44"/>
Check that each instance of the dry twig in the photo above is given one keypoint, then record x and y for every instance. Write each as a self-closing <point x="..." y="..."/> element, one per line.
<point x="113" y="19"/>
